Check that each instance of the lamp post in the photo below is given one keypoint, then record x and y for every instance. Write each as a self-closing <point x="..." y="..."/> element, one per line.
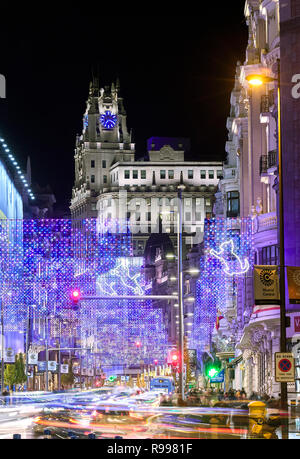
<point x="255" y="81"/>
<point x="180" y="294"/>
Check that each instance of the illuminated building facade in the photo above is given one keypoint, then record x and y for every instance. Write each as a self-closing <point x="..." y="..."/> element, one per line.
<point x="250" y="187"/>
<point x="111" y="183"/>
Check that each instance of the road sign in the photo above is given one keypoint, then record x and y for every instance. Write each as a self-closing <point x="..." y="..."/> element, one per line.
<point x="284" y="367"/>
<point x="219" y="378"/>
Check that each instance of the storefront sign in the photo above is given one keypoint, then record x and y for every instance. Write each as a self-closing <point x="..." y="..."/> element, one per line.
<point x="266" y="285"/>
<point x="293" y="276"/>
<point x="64" y="368"/>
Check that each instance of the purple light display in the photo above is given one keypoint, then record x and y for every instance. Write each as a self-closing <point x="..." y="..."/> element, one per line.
<point x="228" y="256"/>
<point x="42" y="261"/>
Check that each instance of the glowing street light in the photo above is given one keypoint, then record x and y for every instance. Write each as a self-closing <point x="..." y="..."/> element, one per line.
<point x="255" y="81"/>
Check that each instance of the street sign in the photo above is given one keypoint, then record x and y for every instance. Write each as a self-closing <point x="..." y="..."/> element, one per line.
<point x="52" y="365"/>
<point x="64" y="368"/>
<point x="284" y="367"/>
<point x="9" y="355"/>
<point x="42" y="365"/>
<point x="33" y="358"/>
<point x="219" y="378"/>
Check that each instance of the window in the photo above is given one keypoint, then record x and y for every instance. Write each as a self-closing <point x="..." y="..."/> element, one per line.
<point x="104" y="164"/>
<point x="104" y="178"/>
<point x="148" y="216"/>
<point x="127" y="174"/>
<point x="220" y="175"/>
<point x="203" y="174"/>
<point x="190" y="175"/>
<point x="92" y="179"/>
<point x="135" y="174"/>
<point x="207" y="202"/>
<point x="198" y="216"/>
<point x="188" y="216"/>
<point x="162" y="175"/>
<point x="92" y="163"/>
<point x="171" y="175"/>
<point x="211" y="175"/>
<point x="233" y="204"/>
<point x="143" y="175"/>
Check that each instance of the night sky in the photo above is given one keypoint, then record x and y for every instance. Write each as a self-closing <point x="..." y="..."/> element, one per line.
<point x="176" y="74"/>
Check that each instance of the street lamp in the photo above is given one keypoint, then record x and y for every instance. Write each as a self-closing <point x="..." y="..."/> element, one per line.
<point x="180" y="188"/>
<point x="255" y="81"/>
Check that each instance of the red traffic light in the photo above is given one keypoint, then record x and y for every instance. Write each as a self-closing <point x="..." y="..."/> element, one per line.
<point x="155" y="362"/>
<point x="138" y="343"/>
<point x="175" y="359"/>
<point x="75" y="295"/>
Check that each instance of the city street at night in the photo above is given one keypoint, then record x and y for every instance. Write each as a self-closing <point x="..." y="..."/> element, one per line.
<point x="150" y="227"/>
<point x="111" y="413"/>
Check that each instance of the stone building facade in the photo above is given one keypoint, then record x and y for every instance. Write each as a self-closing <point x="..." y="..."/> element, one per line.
<point x="250" y="188"/>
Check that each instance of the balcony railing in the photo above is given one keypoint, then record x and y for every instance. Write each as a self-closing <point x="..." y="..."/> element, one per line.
<point x="272" y="158"/>
<point x="266" y="102"/>
<point x="266" y="222"/>
<point x="267" y="161"/>
<point x="263" y="164"/>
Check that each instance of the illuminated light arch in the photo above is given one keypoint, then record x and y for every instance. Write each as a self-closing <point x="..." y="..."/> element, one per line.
<point x="244" y="265"/>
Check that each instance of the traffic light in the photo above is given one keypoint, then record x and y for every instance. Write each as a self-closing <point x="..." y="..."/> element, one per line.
<point x="155" y="362"/>
<point x="75" y="297"/>
<point x="138" y="343"/>
<point x="212" y="372"/>
<point x="212" y="369"/>
<point x="175" y="359"/>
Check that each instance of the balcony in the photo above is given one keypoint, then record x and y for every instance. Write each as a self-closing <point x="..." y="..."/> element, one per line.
<point x="265" y="222"/>
<point x="263" y="164"/>
<point x="267" y="161"/>
<point x="266" y="102"/>
<point x="272" y="158"/>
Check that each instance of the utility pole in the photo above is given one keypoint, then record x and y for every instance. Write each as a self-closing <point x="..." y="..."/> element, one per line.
<point x="180" y="294"/>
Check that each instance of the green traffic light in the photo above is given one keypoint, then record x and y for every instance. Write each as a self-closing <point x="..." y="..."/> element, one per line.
<point x="212" y="372"/>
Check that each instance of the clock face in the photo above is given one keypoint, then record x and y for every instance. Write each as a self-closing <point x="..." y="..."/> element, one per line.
<point x="108" y="120"/>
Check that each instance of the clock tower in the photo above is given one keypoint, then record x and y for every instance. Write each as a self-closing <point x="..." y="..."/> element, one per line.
<point x="104" y="141"/>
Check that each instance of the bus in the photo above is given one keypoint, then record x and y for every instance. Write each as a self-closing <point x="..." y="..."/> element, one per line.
<point x="163" y="384"/>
